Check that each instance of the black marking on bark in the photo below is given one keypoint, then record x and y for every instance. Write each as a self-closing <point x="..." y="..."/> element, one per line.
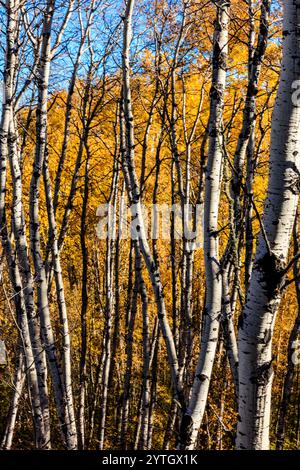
<point x="267" y="336"/>
<point x="272" y="269"/>
<point x="202" y="377"/>
<point x="186" y="430"/>
<point x="263" y="374"/>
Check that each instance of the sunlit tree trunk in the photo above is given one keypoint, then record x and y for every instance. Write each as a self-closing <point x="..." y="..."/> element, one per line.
<point x="290" y="374"/>
<point x="61" y="301"/>
<point x="19" y="230"/>
<point x="35" y="235"/>
<point x="132" y="185"/>
<point x="264" y="295"/>
<point x="12" y="12"/>
<point x="110" y="296"/>
<point x="192" y="419"/>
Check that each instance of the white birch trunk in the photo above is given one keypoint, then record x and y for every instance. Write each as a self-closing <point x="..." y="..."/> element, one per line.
<point x="264" y="295"/>
<point x="19" y="230"/>
<point x="128" y="163"/>
<point x="70" y="422"/>
<point x="12" y="11"/>
<point x="35" y="236"/>
<point x="19" y="380"/>
<point x="192" y="419"/>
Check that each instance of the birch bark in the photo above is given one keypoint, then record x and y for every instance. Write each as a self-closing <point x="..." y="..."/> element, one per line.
<point x="12" y="11"/>
<point x="132" y="185"/>
<point x="192" y="419"/>
<point x="289" y="377"/>
<point x="35" y="236"/>
<point x="264" y="295"/>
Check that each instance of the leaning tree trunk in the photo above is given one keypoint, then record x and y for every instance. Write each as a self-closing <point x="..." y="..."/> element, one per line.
<point x="63" y="314"/>
<point x="264" y="295"/>
<point x="110" y="301"/>
<point x="129" y="170"/>
<point x="192" y="419"/>
<point x="18" y="385"/>
<point x="19" y="230"/>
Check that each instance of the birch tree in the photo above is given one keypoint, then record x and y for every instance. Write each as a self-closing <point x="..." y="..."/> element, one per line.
<point x="264" y="295"/>
<point x="34" y="366"/>
<point x="291" y="356"/>
<point x="192" y="419"/>
<point x="129" y="344"/>
<point x="134" y="198"/>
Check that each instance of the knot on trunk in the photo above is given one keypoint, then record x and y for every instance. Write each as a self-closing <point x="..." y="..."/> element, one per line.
<point x="272" y="269"/>
<point x="263" y="374"/>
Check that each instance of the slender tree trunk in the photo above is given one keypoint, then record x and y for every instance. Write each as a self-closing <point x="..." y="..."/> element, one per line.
<point x="109" y="292"/>
<point x="35" y="236"/>
<point x="145" y="399"/>
<point x="19" y="230"/>
<point x="19" y="381"/>
<point x="128" y="162"/>
<point x="69" y="104"/>
<point x="129" y="361"/>
<point x="192" y="419"/>
<point x="12" y="10"/>
<point x="84" y="306"/>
